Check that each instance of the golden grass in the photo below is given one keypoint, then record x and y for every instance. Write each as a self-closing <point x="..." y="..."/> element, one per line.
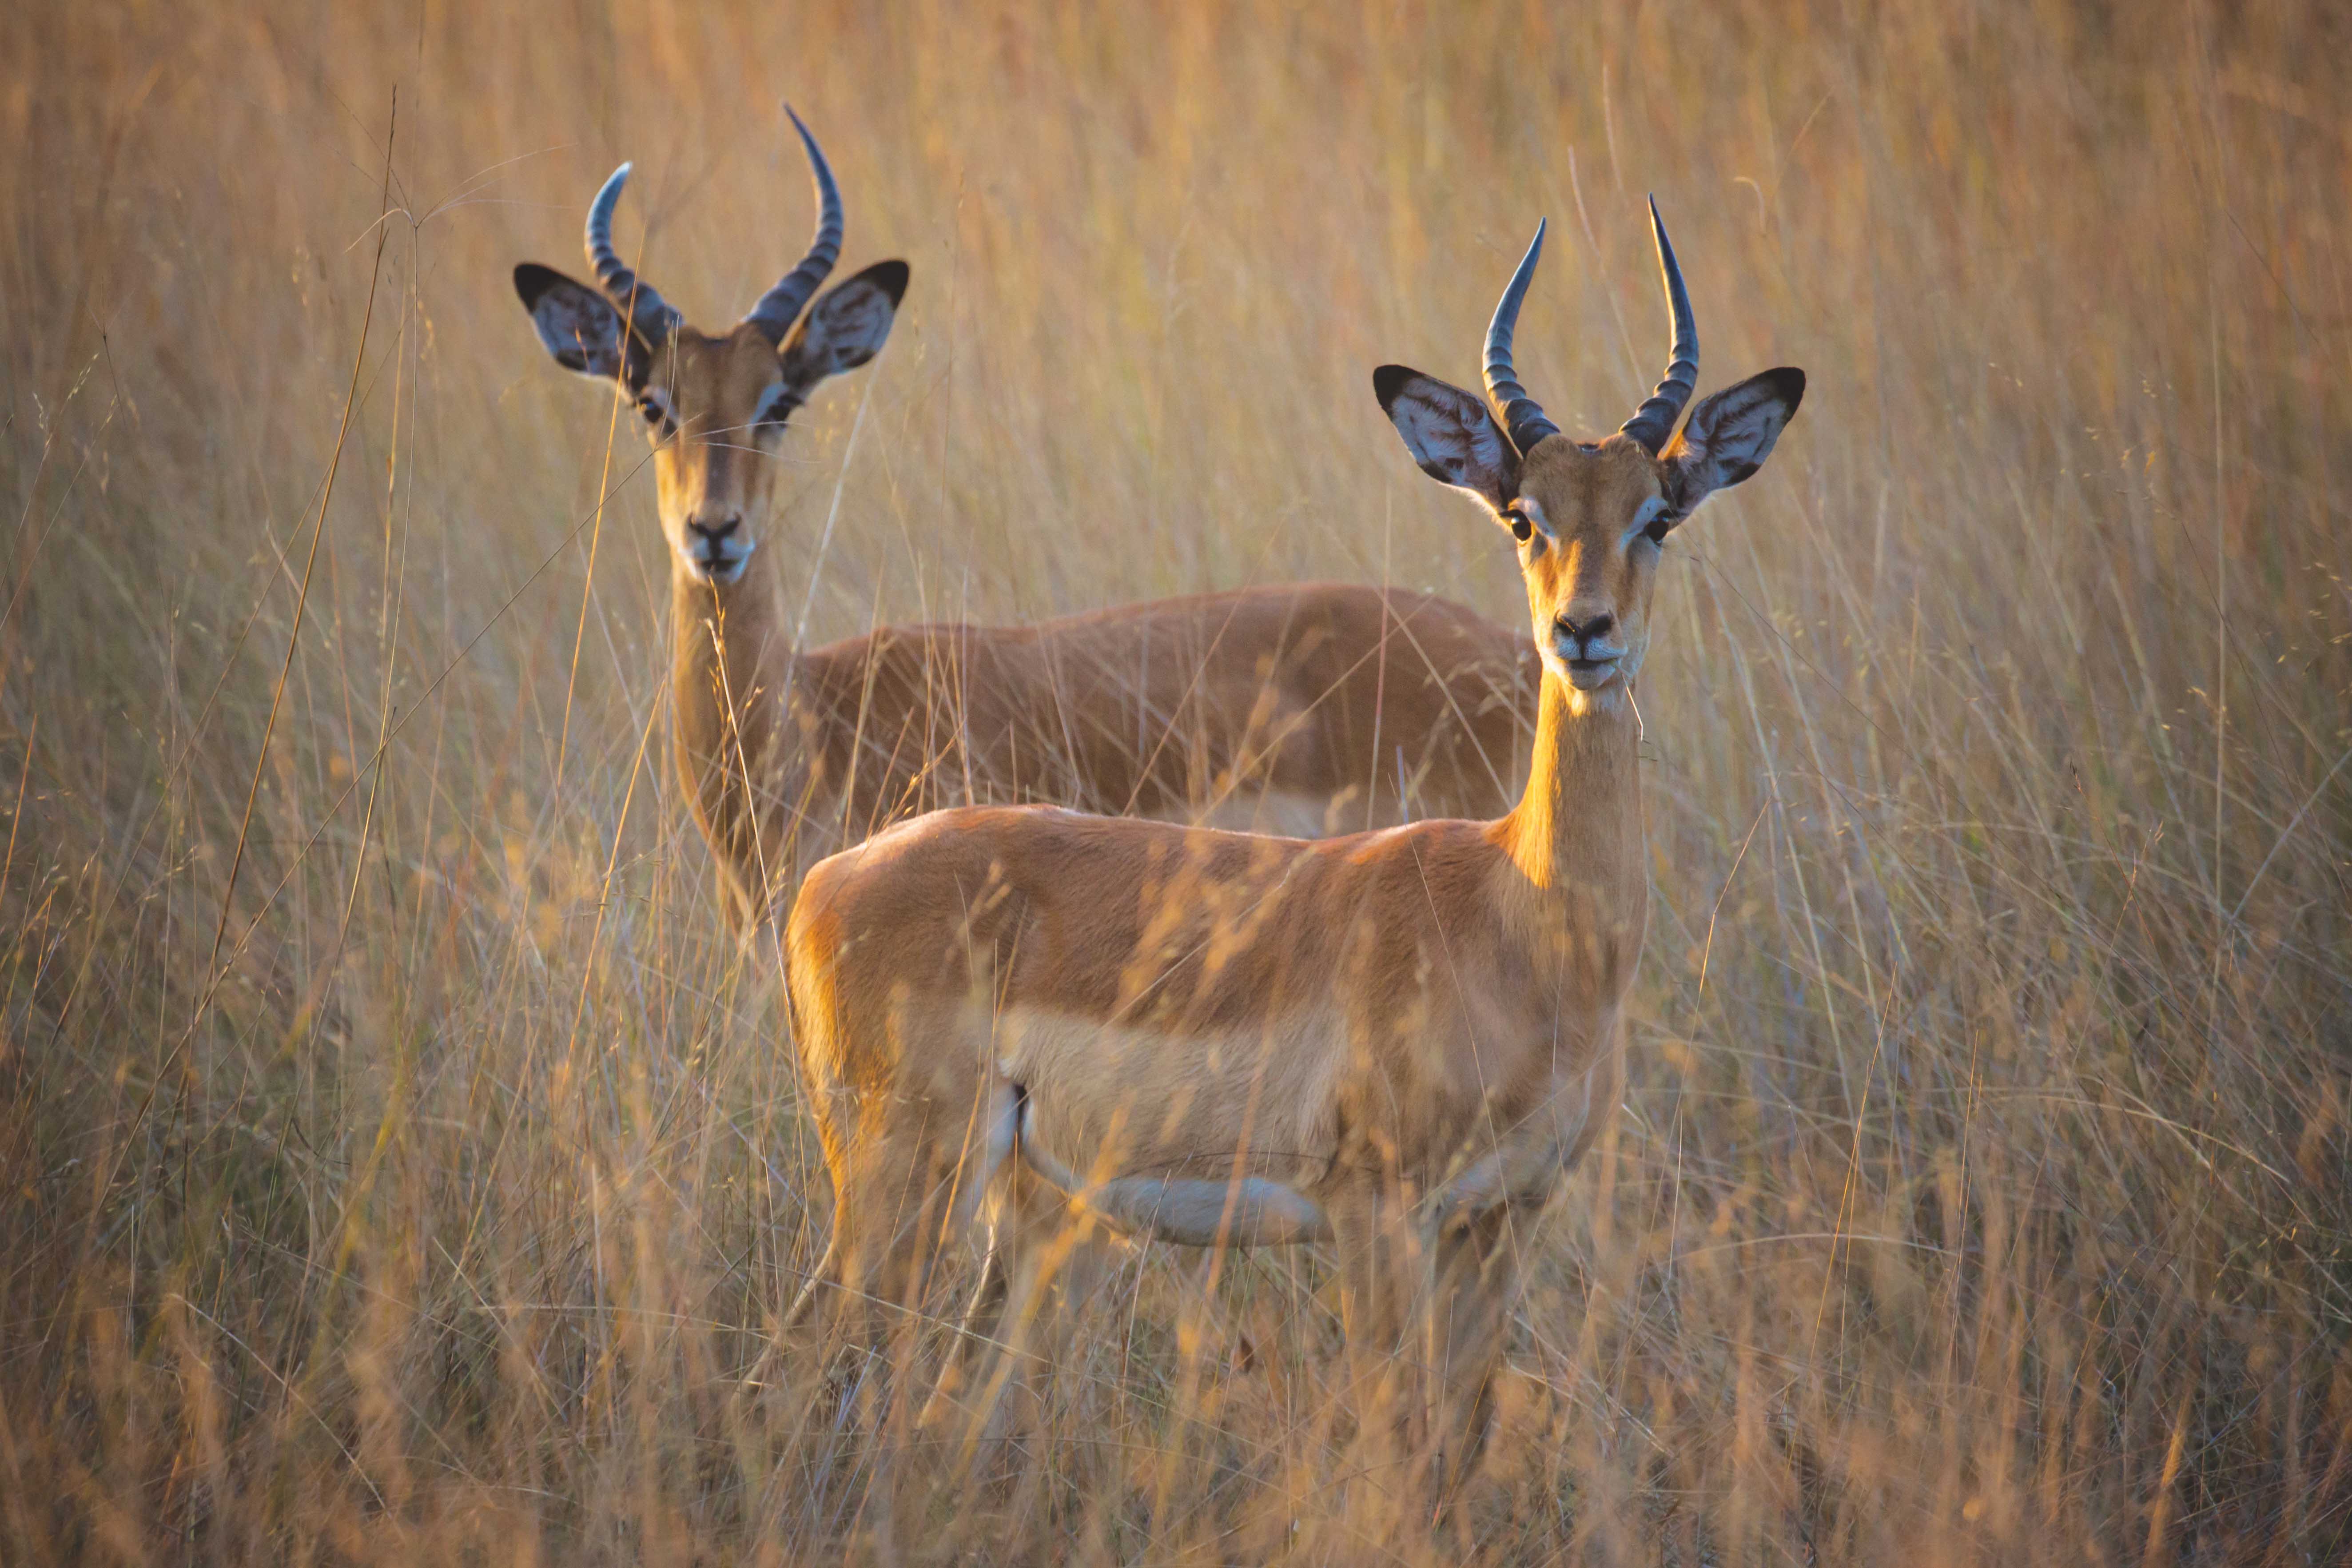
<point x="1983" y="1191"/>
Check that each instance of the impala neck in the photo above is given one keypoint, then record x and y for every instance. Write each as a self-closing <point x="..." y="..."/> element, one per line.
<point x="1577" y="835"/>
<point x="731" y="655"/>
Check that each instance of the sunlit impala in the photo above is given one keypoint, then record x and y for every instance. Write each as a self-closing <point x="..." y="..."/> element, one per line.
<point x="1399" y="1041"/>
<point x="1303" y="709"/>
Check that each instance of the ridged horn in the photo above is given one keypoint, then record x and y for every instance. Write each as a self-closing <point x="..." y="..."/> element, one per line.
<point x="1521" y="416"/>
<point x="780" y="306"/>
<point x="1654" y="422"/>
<point x="644" y="308"/>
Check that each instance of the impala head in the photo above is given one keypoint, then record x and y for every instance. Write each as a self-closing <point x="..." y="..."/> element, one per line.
<point x="1591" y="517"/>
<point x="714" y="405"/>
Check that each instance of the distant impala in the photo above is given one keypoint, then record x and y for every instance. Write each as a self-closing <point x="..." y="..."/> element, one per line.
<point x="1399" y="1041"/>
<point x="1301" y="708"/>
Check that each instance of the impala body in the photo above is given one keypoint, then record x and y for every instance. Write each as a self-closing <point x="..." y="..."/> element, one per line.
<point x="1257" y="706"/>
<point x="1399" y="1041"/>
<point x="1305" y="709"/>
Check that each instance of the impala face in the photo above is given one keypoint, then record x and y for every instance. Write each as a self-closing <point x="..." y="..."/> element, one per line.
<point x="1591" y="517"/>
<point x="715" y="412"/>
<point x="714" y="406"/>
<point x="1590" y="523"/>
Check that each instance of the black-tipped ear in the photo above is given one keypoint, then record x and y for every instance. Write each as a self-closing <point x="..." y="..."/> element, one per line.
<point x="847" y="326"/>
<point x="576" y="324"/>
<point x="1388" y="379"/>
<point x="1450" y="433"/>
<point x="1729" y="436"/>
<point x="890" y="276"/>
<point x="531" y="281"/>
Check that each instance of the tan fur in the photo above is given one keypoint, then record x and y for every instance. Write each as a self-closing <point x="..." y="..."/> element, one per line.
<point x="1301" y="707"/>
<point x="717" y="466"/>
<point x="1309" y="709"/>
<point x="1423" y="1021"/>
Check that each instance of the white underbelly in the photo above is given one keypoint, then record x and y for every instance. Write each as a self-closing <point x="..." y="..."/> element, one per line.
<point x="1238" y="1211"/>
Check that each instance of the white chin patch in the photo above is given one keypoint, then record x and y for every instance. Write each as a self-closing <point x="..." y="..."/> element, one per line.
<point x="724" y="570"/>
<point x="1586" y="678"/>
<point x="1592" y="677"/>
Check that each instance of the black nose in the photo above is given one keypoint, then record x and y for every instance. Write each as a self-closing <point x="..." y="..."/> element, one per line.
<point x="1597" y="627"/>
<point x="715" y="532"/>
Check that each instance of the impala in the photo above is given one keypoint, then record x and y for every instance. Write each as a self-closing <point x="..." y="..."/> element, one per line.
<point x="1399" y="1041"/>
<point x="1304" y="708"/>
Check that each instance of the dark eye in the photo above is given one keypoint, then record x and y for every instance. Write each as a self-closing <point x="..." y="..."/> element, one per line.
<point x="1656" y="532"/>
<point x="656" y="414"/>
<point x="1520" y="527"/>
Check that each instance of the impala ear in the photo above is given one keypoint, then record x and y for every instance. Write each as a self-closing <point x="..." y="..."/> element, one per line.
<point x="577" y="324"/>
<point x="1729" y="436"/>
<point x="1450" y="433"/>
<point x="848" y="325"/>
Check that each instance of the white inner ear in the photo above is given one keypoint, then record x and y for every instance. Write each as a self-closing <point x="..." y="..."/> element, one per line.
<point x="575" y="327"/>
<point x="847" y="327"/>
<point x="1729" y="436"/>
<point x="1451" y="435"/>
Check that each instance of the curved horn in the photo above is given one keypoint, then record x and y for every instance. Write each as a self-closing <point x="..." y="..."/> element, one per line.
<point x="646" y="311"/>
<point x="1654" y="420"/>
<point x="1522" y="415"/>
<point x="781" y="305"/>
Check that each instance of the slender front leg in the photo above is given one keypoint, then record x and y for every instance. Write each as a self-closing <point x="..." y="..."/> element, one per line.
<point x="1380" y="1261"/>
<point x="1426" y="1307"/>
<point x="1473" y="1286"/>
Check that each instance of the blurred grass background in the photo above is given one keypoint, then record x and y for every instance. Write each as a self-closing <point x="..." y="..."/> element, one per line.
<point x="430" y="1195"/>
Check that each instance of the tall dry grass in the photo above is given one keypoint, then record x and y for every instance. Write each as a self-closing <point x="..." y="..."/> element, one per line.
<point x="398" y="1163"/>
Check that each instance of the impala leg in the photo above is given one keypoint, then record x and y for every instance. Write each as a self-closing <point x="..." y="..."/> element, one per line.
<point x="1378" y="1255"/>
<point x="820" y="1277"/>
<point x="975" y="1328"/>
<point x="1473" y="1280"/>
<point x="891" y="1182"/>
<point x="1425" y="1315"/>
<point x="1017" y="1327"/>
<point x="820" y="1297"/>
<point x="983" y="1193"/>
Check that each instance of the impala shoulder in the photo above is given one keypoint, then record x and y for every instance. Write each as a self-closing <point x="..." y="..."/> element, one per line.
<point x="1432" y="841"/>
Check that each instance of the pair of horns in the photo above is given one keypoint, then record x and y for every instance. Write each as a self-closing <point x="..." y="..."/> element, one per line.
<point x="778" y="308"/>
<point x="1653" y="421"/>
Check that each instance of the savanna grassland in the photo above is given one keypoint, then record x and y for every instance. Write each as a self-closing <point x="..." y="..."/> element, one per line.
<point x="401" y="1162"/>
